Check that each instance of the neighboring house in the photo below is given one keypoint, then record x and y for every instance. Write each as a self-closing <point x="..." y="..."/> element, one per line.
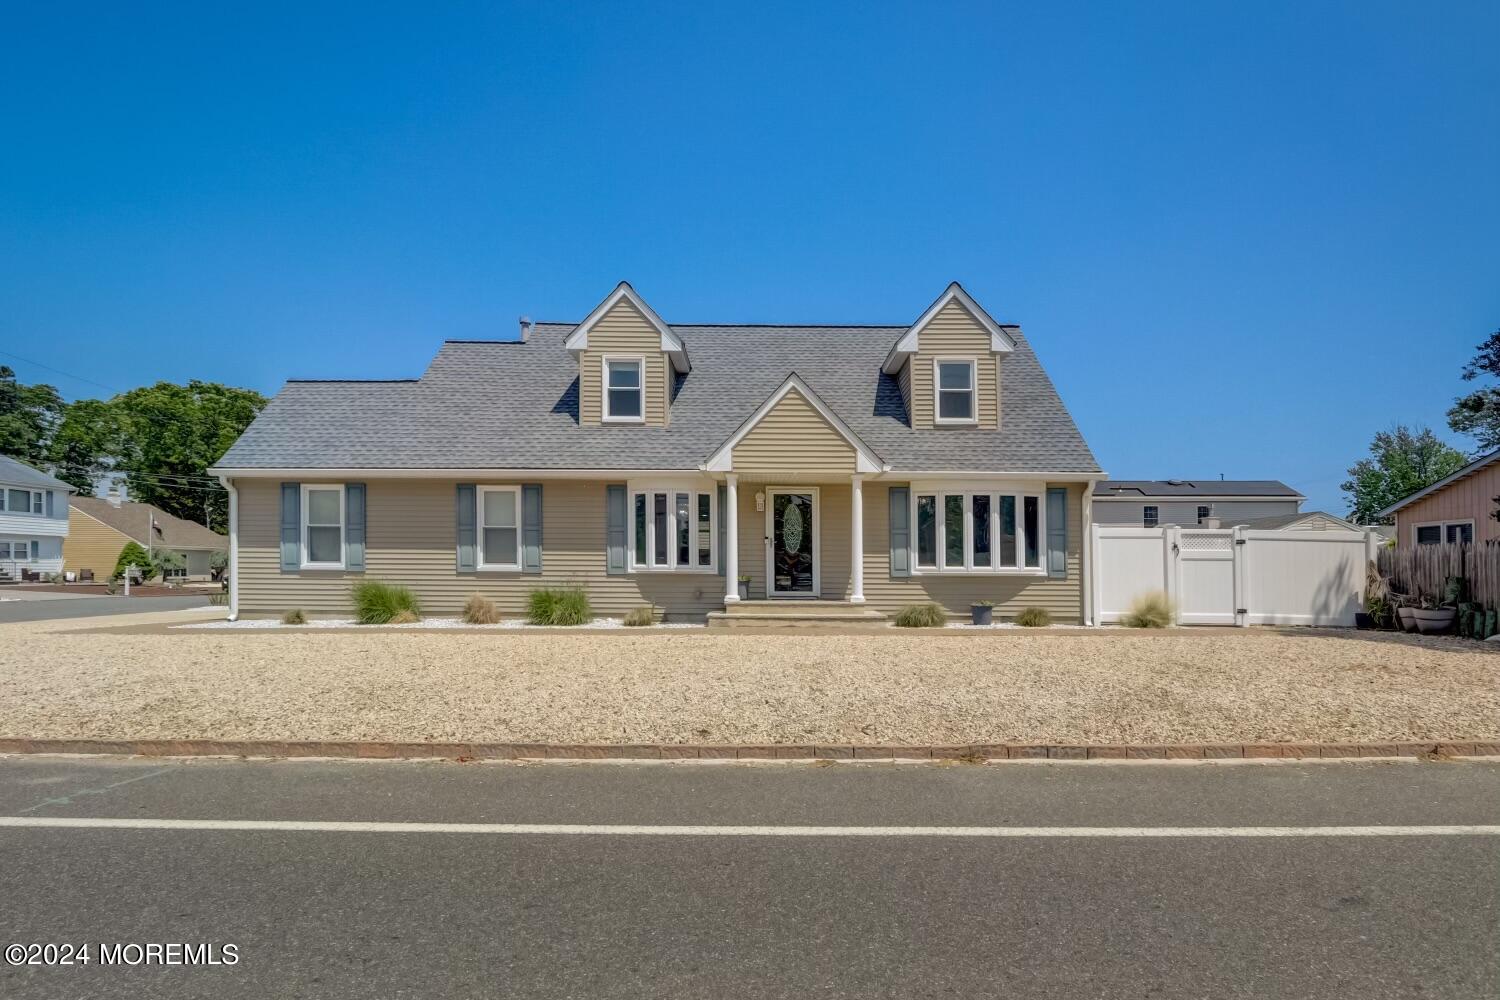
<point x="1192" y="503"/>
<point x="33" y="520"/>
<point x="654" y="463"/>
<point x="102" y="526"/>
<point x="1307" y="520"/>
<point x="1457" y="508"/>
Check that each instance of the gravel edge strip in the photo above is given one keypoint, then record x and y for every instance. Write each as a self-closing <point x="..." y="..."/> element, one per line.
<point x="564" y="751"/>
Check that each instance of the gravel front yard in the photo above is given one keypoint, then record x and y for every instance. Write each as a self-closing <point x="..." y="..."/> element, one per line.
<point x="694" y="686"/>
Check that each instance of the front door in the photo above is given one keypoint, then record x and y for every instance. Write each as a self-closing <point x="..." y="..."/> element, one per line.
<point x="792" y="535"/>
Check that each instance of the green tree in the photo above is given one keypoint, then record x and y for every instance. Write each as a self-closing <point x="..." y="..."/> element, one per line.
<point x="133" y="554"/>
<point x="83" y="447"/>
<point x="1478" y="413"/>
<point x="28" y="416"/>
<point x="1402" y="461"/>
<point x="169" y="435"/>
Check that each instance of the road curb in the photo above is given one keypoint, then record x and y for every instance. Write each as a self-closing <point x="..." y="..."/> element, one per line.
<point x="379" y="749"/>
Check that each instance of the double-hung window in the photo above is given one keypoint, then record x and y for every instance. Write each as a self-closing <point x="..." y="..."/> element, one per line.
<point x="18" y="551"/>
<point x="323" y="527"/>
<point x="966" y="532"/>
<point x="624" y="390"/>
<point x="22" y="501"/>
<point x="674" y="529"/>
<point x="1150" y="515"/>
<point x="500" y="528"/>
<point x="1204" y="512"/>
<point x="953" y="395"/>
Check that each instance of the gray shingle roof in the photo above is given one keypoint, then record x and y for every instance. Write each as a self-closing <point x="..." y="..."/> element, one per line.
<point x="509" y="405"/>
<point x="1194" y="488"/>
<point x="133" y="519"/>
<point x="16" y="473"/>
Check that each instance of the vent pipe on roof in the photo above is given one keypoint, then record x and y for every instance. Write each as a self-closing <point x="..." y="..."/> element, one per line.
<point x="525" y="328"/>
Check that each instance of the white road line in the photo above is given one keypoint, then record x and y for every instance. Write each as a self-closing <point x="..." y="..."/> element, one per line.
<point x="590" y="830"/>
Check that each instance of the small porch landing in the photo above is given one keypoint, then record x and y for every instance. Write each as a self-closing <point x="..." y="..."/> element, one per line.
<point x="794" y="614"/>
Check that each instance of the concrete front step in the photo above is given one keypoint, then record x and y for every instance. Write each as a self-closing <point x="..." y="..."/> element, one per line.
<point x="794" y="614"/>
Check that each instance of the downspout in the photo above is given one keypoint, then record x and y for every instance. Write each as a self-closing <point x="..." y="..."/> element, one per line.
<point x="234" y="548"/>
<point x="1086" y="556"/>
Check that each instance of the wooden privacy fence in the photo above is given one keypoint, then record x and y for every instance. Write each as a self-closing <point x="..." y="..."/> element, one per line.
<point x="1421" y="570"/>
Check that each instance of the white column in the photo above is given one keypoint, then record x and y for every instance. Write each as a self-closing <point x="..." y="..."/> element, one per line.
<point x="857" y="549"/>
<point x="732" y="542"/>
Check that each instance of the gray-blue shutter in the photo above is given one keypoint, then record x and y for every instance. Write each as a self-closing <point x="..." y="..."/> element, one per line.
<point x="900" y="497"/>
<point x="614" y="530"/>
<point x="354" y="531"/>
<point x="531" y="528"/>
<point x="723" y="530"/>
<point x="464" y="517"/>
<point x="291" y="527"/>
<point x="1057" y="531"/>
<point x="50" y="495"/>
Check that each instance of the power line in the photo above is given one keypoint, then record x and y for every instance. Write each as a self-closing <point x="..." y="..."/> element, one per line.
<point x="59" y="371"/>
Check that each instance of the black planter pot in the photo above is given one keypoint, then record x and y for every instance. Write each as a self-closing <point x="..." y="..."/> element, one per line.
<point x="1364" y="620"/>
<point x="981" y="614"/>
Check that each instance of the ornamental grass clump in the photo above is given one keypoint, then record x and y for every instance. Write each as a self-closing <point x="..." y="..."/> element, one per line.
<point x="405" y="618"/>
<point x="377" y="603"/>
<point x="480" y="610"/>
<point x="558" y="606"/>
<point x="1034" y="618"/>
<point x="640" y="617"/>
<point x="922" y="616"/>
<point x="296" y="616"/>
<point x="1152" y="610"/>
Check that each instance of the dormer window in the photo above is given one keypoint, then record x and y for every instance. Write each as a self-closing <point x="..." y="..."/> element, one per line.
<point x="954" y="398"/>
<point x="624" y="390"/>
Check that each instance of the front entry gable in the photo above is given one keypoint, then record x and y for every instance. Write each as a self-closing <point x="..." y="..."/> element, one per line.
<point x="794" y="431"/>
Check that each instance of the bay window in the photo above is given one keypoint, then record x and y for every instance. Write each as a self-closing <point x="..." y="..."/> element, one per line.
<point x="970" y="532"/>
<point x="674" y="529"/>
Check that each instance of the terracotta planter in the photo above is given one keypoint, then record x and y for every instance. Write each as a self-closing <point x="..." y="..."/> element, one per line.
<point x="982" y="614"/>
<point x="1405" y="617"/>
<point x="1434" y="621"/>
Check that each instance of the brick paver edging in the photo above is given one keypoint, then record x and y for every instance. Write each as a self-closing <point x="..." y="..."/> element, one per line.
<point x="673" y="751"/>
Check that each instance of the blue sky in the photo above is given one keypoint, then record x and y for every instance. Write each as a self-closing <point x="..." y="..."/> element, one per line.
<point x="1242" y="237"/>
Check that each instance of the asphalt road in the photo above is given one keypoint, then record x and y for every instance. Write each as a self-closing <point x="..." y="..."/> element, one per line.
<point x="343" y="913"/>
<point x="33" y="610"/>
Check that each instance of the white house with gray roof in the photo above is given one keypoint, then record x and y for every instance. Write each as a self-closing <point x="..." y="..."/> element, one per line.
<point x="1197" y="503"/>
<point x="861" y="467"/>
<point x="33" y="520"/>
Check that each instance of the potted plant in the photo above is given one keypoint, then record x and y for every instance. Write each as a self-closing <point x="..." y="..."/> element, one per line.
<point x="1377" y="600"/>
<point x="1404" y="605"/>
<point x="744" y="587"/>
<point x="982" y="612"/>
<point x="1432" y="618"/>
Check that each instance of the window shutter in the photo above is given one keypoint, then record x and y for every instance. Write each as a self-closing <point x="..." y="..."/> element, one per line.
<point x="50" y="501"/>
<point x="354" y="531"/>
<point x="531" y="528"/>
<point x="1057" y="531"/>
<point x="900" y="497"/>
<point x="464" y="518"/>
<point x="36" y="550"/>
<point x="614" y="530"/>
<point x="723" y="531"/>
<point x="291" y="527"/>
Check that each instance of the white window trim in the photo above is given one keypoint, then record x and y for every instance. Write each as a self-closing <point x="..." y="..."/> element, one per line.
<point x="604" y="363"/>
<point x="36" y="501"/>
<point x="480" y="563"/>
<point x="29" y="545"/>
<point x="968" y="568"/>
<point x="937" y="392"/>
<point x="1442" y="527"/>
<point x="343" y="525"/>
<point x="693" y="492"/>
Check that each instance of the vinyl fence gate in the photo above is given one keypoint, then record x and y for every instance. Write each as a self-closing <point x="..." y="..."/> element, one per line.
<point x="1233" y="576"/>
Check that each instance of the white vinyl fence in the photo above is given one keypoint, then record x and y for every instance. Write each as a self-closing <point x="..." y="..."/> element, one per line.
<point x="1233" y="576"/>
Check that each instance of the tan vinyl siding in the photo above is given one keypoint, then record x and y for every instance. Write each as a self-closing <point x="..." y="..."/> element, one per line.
<point x="91" y="544"/>
<point x="832" y="526"/>
<point x="1471" y="498"/>
<point x="1062" y="596"/>
<point x="623" y="330"/>
<point x="953" y="333"/>
<point x="904" y="378"/>
<point x="411" y="540"/>
<point x="793" y="438"/>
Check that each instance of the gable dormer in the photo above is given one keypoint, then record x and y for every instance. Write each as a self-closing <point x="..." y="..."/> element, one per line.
<point x="628" y="360"/>
<point x="948" y="364"/>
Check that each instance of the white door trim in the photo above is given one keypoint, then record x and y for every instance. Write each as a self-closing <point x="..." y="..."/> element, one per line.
<point x="817" y="526"/>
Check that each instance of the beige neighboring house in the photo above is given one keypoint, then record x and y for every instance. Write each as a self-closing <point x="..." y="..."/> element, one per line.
<point x="1456" y="508"/>
<point x="840" y="470"/>
<point x="99" y="527"/>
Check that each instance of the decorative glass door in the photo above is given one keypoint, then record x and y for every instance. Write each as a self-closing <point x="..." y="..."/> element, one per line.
<point x="794" y="557"/>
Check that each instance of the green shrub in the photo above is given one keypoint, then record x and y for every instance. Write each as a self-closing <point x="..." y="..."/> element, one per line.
<point x="377" y="603"/>
<point x="922" y="616"/>
<point x="480" y="610"/>
<point x="1034" y="618"/>
<point x="133" y="554"/>
<point x="641" y="616"/>
<point x="1152" y="610"/>
<point x="296" y="616"/>
<point x="561" y="606"/>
